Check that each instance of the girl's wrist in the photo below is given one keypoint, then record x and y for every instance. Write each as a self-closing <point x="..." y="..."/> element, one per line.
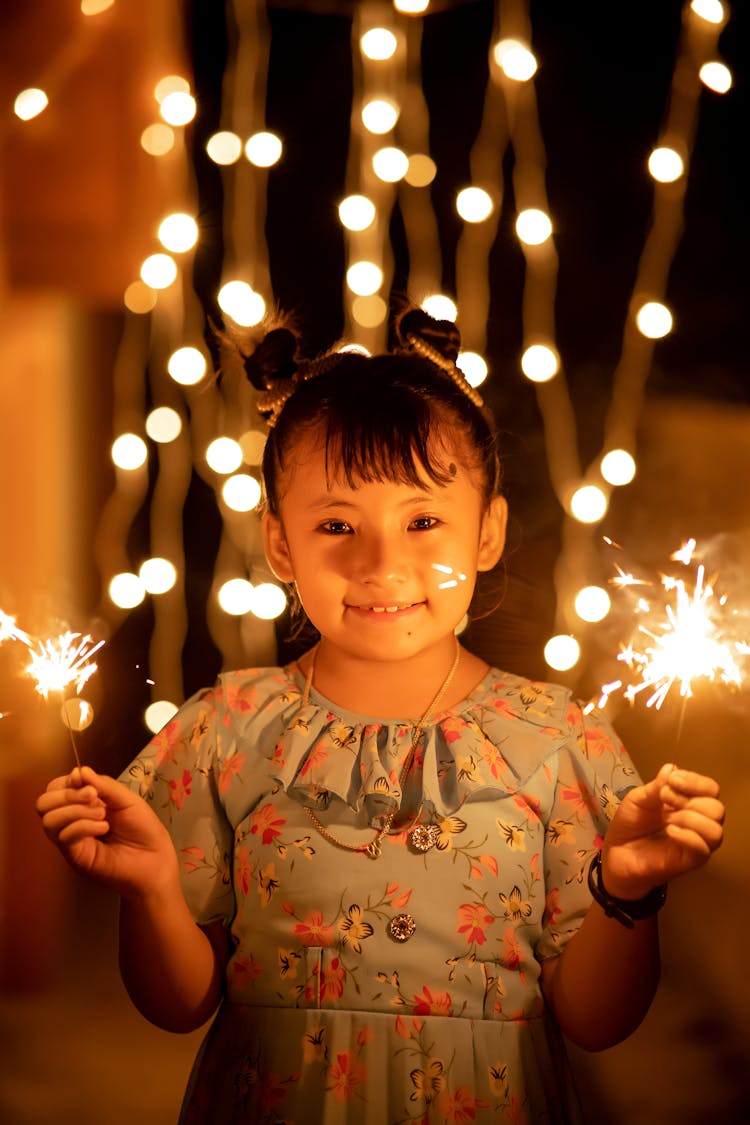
<point x="627" y="906"/>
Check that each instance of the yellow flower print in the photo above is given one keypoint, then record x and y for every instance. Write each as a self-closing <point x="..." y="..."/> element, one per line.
<point x="288" y="964"/>
<point x="466" y="766"/>
<point x="608" y="801"/>
<point x="531" y="694"/>
<point x="513" y="834"/>
<point x="145" y="774"/>
<point x="516" y="910"/>
<point x="200" y="727"/>
<point x="560" y="832"/>
<point x="428" y="1083"/>
<point x="267" y="884"/>
<point x="342" y="735"/>
<point x="353" y="929"/>
<point x="449" y="826"/>
<point x="498" y="1076"/>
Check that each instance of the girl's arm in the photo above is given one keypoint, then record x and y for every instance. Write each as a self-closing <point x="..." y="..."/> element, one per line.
<point x="601" y="986"/>
<point x="172" y="969"/>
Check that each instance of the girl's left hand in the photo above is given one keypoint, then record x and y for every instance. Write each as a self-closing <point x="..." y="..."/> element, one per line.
<point x="662" y="829"/>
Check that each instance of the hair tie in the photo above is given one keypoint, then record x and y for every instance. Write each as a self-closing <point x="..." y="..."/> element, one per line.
<point x="421" y="347"/>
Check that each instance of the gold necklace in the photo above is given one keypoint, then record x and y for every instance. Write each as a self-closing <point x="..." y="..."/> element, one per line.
<point x="372" y="849"/>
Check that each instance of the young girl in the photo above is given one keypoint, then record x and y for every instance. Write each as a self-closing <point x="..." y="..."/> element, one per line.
<point x="396" y="872"/>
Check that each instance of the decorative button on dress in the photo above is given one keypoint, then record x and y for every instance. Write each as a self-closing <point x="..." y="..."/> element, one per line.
<point x="403" y="988"/>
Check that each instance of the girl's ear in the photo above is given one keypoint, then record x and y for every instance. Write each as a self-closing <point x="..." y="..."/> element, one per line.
<point x="492" y="534"/>
<point x="276" y="548"/>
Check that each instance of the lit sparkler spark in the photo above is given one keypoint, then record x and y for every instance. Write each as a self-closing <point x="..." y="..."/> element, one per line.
<point x="624" y="579"/>
<point x="9" y="631"/>
<point x="62" y="662"/>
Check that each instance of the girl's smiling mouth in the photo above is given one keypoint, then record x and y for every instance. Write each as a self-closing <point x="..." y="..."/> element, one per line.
<point x="385" y="610"/>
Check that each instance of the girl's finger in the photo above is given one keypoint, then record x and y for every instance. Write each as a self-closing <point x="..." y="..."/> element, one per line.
<point x="707" y="806"/>
<point x="692" y="821"/>
<point x="81" y="830"/>
<point x="56" y="819"/>
<point x="691" y="841"/>
<point x="692" y="784"/>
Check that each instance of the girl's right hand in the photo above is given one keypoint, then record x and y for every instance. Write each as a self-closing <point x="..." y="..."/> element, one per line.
<point x="109" y="833"/>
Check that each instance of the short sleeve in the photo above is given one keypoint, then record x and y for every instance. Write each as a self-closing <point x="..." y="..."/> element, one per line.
<point x="593" y="772"/>
<point x="178" y="774"/>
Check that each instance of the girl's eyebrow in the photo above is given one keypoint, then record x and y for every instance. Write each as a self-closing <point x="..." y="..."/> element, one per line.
<point x="421" y="496"/>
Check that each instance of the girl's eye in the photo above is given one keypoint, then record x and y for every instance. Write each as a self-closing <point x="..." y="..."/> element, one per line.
<point x="335" y="527"/>
<point x="424" y="523"/>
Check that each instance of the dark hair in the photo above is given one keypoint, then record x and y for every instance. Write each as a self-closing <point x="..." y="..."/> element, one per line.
<point x="378" y="415"/>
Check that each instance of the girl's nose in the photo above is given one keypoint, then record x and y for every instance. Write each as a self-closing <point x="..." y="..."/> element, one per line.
<point x="380" y="561"/>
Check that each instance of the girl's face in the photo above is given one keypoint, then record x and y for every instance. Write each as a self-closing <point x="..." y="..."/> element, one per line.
<point x="384" y="571"/>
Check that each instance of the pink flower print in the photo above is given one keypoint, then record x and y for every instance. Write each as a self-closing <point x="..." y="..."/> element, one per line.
<point x="194" y="858"/>
<point x="452" y="728"/>
<point x="474" y="920"/>
<point x="345" y="1074"/>
<point x="272" y="1092"/>
<point x="580" y="797"/>
<point x="364" y="1036"/>
<point x="180" y="789"/>
<point x="267" y="823"/>
<point x="597" y="741"/>
<point x="505" y="708"/>
<point x="229" y="769"/>
<point x="332" y="984"/>
<point x="553" y="910"/>
<point x="515" y="1113"/>
<point x="432" y="1003"/>
<point x="458" y="1106"/>
<point x="243" y="869"/>
<point x="317" y="756"/>
<point x="165" y="743"/>
<point x="241" y="697"/>
<point x="314" y="931"/>
<point x="511" y="957"/>
<point x="246" y="970"/>
<point x="528" y="804"/>
<point x="492" y="758"/>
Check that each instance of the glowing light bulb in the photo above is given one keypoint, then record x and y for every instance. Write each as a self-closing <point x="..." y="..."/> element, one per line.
<point x="129" y="452"/>
<point x="264" y="149"/>
<point x="421" y="170"/>
<point x="252" y="443"/>
<point x="592" y="603"/>
<point x="178" y="232"/>
<point x="654" y="320"/>
<point x="588" y="504"/>
<point x="515" y="59"/>
<point x="178" y="108"/>
<point x="712" y="11"/>
<point x="163" y="424"/>
<point x="170" y="84"/>
<point x="379" y="115"/>
<point x="717" y="76"/>
<point x="411" y="7"/>
<point x="158" y="714"/>
<point x="241" y="492"/>
<point x="474" y="204"/>
<point x="618" y="467"/>
<point x="357" y="212"/>
<point x="533" y="226"/>
<point x="665" y="165"/>
<point x="157" y="575"/>
<point x="157" y="139"/>
<point x="390" y="164"/>
<point x="126" y="590"/>
<point x="562" y="652"/>
<point x="540" y="363"/>
<point x="369" y="311"/>
<point x="378" y="44"/>
<point x="473" y="366"/>
<point x="94" y="7"/>
<point x="235" y="596"/>
<point x="440" y="306"/>
<point x="159" y="271"/>
<point x="224" y="147"/>
<point x="30" y="103"/>
<point x="268" y="601"/>
<point x="240" y="301"/>
<point x="364" y="278"/>
<point x="187" y="366"/>
<point x="139" y="297"/>
<point x="224" y="455"/>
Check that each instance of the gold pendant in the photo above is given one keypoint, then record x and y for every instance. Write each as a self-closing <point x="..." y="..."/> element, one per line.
<point x="373" y="849"/>
<point x="424" y="837"/>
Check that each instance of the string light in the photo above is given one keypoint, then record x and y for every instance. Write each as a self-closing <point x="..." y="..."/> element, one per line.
<point x="716" y="76"/>
<point x="178" y="232"/>
<point x="421" y="170"/>
<point x="364" y="278"/>
<point x="369" y="311"/>
<point x="473" y="366"/>
<point x="30" y="103"/>
<point x="592" y="603"/>
<point x="515" y="60"/>
<point x="224" y="455"/>
<point x="157" y="139"/>
<point x="129" y="452"/>
<point x="357" y="212"/>
<point x="474" y="204"/>
<point x="264" y="149"/>
<point x="411" y="7"/>
<point x="588" y="504"/>
<point x="95" y="7"/>
<point x="241" y="492"/>
<point x="379" y="115"/>
<point x="224" y="148"/>
<point x="159" y="271"/>
<point x="163" y="424"/>
<point x="562" y="652"/>
<point x="378" y="44"/>
<point x="126" y="590"/>
<point x="170" y="84"/>
<point x="540" y="363"/>
<point x="158" y="714"/>
<point x="268" y="601"/>
<point x="390" y="164"/>
<point x="654" y="320"/>
<point x="157" y="575"/>
<point x="440" y="307"/>
<point x="533" y="226"/>
<point x="139" y="297"/>
<point x="235" y="596"/>
<point x="187" y="366"/>
<point x="618" y="467"/>
<point x="240" y="301"/>
<point x="178" y="108"/>
<point x="712" y="11"/>
<point x="665" y="165"/>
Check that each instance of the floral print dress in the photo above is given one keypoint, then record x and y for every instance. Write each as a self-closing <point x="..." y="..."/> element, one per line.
<point x="400" y="989"/>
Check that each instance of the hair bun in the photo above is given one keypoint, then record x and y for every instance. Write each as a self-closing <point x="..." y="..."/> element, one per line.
<point x="442" y="335"/>
<point x="274" y="359"/>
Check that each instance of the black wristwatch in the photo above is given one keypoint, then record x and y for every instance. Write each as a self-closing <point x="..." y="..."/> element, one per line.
<point x="623" y="910"/>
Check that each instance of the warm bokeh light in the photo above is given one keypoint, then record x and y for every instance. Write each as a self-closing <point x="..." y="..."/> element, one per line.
<point x="665" y="164"/>
<point x="411" y="7"/>
<point x="235" y="596"/>
<point x="473" y="366"/>
<point x="364" y="278"/>
<point x="540" y="363"/>
<point x="592" y="603"/>
<point x="369" y="311"/>
<point x="390" y="164"/>
<point x="170" y="84"/>
<point x="77" y="714"/>
<point x="159" y="271"/>
<point x="264" y="149"/>
<point x="126" y="590"/>
<point x="440" y="307"/>
<point x="157" y="139"/>
<point x="178" y="108"/>
<point x="562" y="652"/>
<point x="588" y="504"/>
<point x="268" y="601"/>
<point x="241" y="492"/>
<point x="240" y="301"/>
<point x="129" y="452"/>
<point x="178" y="232"/>
<point x="421" y="171"/>
<point x="158" y="714"/>
<point x="654" y="320"/>
<point x="139" y="297"/>
<point x="618" y="467"/>
<point x="356" y="212"/>
<point x="379" y="115"/>
<point x="716" y="76"/>
<point x="30" y="103"/>
<point x="712" y="11"/>
<point x="163" y="424"/>
<point x="94" y="7"/>
<point x="252" y="443"/>
<point x="533" y="226"/>
<point x="515" y="59"/>
<point x="187" y="366"/>
<point x="224" y="455"/>
<point x="157" y="575"/>
<point x="474" y="204"/>
<point x="224" y="147"/>
<point x="378" y="44"/>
